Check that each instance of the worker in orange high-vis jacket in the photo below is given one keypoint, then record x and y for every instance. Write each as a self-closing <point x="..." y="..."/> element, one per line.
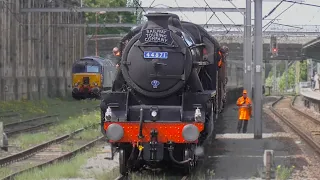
<point x="245" y="110"/>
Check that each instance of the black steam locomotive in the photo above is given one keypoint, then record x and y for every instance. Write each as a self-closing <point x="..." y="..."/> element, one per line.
<point x="166" y="95"/>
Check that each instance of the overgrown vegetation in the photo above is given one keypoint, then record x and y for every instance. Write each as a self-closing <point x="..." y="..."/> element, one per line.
<point x="73" y="123"/>
<point x="284" y="173"/>
<point x="70" y="169"/>
<point x="67" y="146"/>
<point x="65" y="169"/>
<point x="111" y="17"/>
<point x="12" y="111"/>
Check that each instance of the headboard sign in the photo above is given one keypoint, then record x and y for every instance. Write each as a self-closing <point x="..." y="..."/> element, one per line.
<point x="156" y="36"/>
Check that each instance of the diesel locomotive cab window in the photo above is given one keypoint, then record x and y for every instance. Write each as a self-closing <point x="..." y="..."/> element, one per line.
<point x="92" y="69"/>
<point x="79" y="68"/>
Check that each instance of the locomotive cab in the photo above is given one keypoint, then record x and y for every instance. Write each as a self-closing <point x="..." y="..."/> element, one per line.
<point x="166" y="106"/>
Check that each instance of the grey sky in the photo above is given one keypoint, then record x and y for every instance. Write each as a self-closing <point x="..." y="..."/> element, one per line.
<point x="296" y="15"/>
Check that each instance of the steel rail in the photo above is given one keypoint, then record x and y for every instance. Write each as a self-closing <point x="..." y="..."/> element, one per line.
<point x="17" y="131"/>
<point x="33" y="127"/>
<point x="31" y="151"/>
<point x="9" y="132"/>
<point x="60" y="158"/>
<point x="5" y="115"/>
<point x="302" y="113"/>
<point x="296" y="129"/>
<point x="29" y="120"/>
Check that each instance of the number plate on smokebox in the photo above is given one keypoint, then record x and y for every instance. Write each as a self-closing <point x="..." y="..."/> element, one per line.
<point x="152" y="55"/>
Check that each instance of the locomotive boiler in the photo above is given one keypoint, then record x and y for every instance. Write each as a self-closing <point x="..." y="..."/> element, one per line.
<point x="167" y="94"/>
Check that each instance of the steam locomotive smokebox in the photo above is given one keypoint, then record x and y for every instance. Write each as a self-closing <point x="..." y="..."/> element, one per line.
<point x="156" y="62"/>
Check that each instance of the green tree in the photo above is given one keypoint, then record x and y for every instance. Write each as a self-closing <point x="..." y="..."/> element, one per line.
<point x="111" y="17"/>
<point x="304" y="71"/>
<point x="291" y="76"/>
<point x="269" y="81"/>
<point x="290" y="79"/>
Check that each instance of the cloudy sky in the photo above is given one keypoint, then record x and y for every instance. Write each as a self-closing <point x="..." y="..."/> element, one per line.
<point x="296" y="15"/>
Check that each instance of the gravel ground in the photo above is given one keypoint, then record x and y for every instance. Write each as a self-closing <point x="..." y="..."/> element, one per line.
<point x="98" y="164"/>
<point x="302" y="171"/>
<point x="306" y="125"/>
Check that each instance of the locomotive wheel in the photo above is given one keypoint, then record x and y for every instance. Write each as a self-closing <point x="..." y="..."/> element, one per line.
<point x="123" y="161"/>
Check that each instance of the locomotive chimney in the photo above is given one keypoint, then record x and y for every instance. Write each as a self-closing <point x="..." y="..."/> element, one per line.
<point x="158" y="19"/>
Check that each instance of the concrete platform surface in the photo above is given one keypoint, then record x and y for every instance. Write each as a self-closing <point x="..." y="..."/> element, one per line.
<point x="239" y="156"/>
<point x="307" y="92"/>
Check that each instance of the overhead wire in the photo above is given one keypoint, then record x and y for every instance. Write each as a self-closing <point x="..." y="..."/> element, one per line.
<point x="208" y="20"/>
<point x="272" y="21"/>
<point x="152" y="3"/>
<point x="214" y="13"/>
<point x="288" y="25"/>
<point x="139" y="5"/>
<point x="301" y="3"/>
<point x="232" y="21"/>
<point x="181" y="10"/>
<point x="236" y="7"/>
<point x="197" y="2"/>
<point x="314" y="16"/>
<point x="272" y="10"/>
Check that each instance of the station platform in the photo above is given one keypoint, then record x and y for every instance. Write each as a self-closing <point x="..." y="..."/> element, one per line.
<point x="311" y="99"/>
<point x="309" y="93"/>
<point x="239" y="156"/>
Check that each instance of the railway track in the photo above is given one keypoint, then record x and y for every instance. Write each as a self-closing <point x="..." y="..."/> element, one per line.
<point x="305" y="136"/>
<point x="35" y="123"/>
<point x="45" y="154"/>
<point x="28" y="125"/>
